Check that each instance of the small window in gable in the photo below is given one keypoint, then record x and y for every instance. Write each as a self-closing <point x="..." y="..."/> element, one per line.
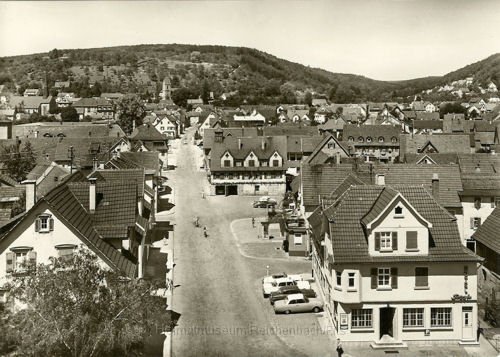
<point x="398" y="211"/>
<point x="44" y="223"/>
<point x="331" y="145"/>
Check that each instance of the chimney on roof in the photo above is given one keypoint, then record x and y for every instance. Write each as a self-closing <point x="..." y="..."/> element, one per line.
<point x="478" y="169"/>
<point x="435" y="186"/>
<point x="92" y="194"/>
<point x="36" y="134"/>
<point x="263" y="144"/>
<point x="380" y="180"/>
<point x="240" y="144"/>
<point x="30" y="193"/>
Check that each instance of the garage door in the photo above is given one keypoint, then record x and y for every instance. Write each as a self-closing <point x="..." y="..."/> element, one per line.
<point x="232" y="190"/>
<point x="220" y="190"/>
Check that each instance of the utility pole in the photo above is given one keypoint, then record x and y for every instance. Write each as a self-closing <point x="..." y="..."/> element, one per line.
<point x="71" y="156"/>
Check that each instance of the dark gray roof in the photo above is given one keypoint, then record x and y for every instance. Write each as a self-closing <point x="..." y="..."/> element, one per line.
<point x="349" y="239"/>
<point x="488" y="232"/>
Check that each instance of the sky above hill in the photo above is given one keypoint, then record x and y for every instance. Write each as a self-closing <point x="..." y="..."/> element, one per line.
<point x="380" y="39"/>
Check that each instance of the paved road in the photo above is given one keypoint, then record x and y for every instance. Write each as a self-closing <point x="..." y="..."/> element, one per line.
<point x="217" y="289"/>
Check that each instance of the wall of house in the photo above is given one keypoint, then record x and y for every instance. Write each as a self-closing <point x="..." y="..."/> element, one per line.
<point x="420" y="334"/>
<point x="470" y="211"/>
<point x="297" y="249"/>
<point x="24" y="235"/>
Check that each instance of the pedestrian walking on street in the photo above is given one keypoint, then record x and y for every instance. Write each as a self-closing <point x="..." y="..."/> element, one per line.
<point x="253" y="222"/>
<point x="205" y="232"/>
<point x="340" y="350"/>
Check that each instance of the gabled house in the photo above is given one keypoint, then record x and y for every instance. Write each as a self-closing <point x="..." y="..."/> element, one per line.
<point x="328" y="151"/>
<point x="167" y="125"/>
<point x="372" y="142"/>
<point x="211" y="121"/>
<point x="248" y="166"/>
<point x="481" y="191"/>
<point x="391" y="269"/>
<point x="147" y="138"/>
<point x="95" y="108"/>
<point x="101" y="216"/>
<point x="30" y="105"/>
<point x="427" y="127"/>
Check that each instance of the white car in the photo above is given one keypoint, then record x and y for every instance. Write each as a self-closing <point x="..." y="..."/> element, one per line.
<point x="268" y="288"/>
<point x="272" y="278"/>
<point x="298" y="303"/>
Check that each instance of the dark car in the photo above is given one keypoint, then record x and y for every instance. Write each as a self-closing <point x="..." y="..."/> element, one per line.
<point x="284" y="291"/>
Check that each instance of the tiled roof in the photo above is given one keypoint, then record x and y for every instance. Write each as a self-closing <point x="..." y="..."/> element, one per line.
<point x="439" y="159"/>
<point x="92" y="102"/>
<point x="8" y="180"/>
<point x="28" y="102"/>
<point x="147" y="132"/>
<point x="479" y="164"/>
<point x="428" y="124"/>
<point x="444" y="143"/>
<point x="84" y="149"/>
<point x="333" y="125"/>
<point x="209" y="134"/>
<point x="320" y="181"/>
<point x="290" y="130"/>
<point x="487" y="233"/>
<point x="404" y="174"/>
<point x="9" y="192"/>
<point x="303" y="144"/>
<point x="65" y="205"/>
<point x="426" y="116"/>
<point x="349" y="240"/>
<point x="147" y="160"/>
<point x="128" y="175"/>
<point x="318" y="156"/>
<point x="375" y="131"/>
<point x="272" y="144"/>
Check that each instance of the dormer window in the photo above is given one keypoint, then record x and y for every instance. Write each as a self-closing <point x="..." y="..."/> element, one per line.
<point x="394" y="140"/>
<point x="369" y="139"/>
<point x="361" y="139"/>
<point x="350" y="138"/>
<point x="386" y="241"/>
<point x="381" y="139"/>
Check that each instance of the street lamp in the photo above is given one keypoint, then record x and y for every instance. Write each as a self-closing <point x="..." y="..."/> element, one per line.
<point x="267" y="270"/>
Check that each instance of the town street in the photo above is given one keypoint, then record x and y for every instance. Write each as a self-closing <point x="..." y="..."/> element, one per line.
<point x="218" y="291"/>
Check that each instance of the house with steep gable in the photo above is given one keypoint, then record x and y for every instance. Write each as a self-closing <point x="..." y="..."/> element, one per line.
<point x="391" y="269"/>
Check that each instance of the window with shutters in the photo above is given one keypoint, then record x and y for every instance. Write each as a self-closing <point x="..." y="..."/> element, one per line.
<point x="44" y="223"/>
<point x="422" y="277"/>
<point x="441" y="317"/>
<point x="384" y="278"/>
<point x="413" y="317"/>
<point x="412" y="241"/>
<point x="475" y="222"/>
<point x="361" y="318"/>
<point x="20" y="260"/>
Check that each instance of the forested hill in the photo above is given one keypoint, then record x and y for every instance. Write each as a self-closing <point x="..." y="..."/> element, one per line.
<point x="243" y="74"/>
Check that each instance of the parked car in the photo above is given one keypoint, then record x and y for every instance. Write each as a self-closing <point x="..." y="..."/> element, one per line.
<point x="297" y="303"/>
<point x="272" y="278"/>
<point x="268" y="288"/>
<point x="283" y="292"/>
<point x="265" y="202"/>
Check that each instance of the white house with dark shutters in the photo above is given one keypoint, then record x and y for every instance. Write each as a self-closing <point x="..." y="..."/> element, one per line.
<point x="392" y="270"/>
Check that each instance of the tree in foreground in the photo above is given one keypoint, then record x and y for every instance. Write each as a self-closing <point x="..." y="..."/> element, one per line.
<point x="76" y="308"/>
<point x="131" y="111"/>
<point x="17" y="161"/>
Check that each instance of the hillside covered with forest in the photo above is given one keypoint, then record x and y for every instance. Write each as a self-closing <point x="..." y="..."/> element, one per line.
<point x="242" y="74"/>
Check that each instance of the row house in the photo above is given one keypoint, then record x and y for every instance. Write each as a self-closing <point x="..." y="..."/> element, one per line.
<point x="248" y="166"/>
<point x="391" y="269"/>
<point x="373" y="142"/>
<point x="481" y="191"/>
<point x="94" y="108"/>
<point x="146" y="138"/>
